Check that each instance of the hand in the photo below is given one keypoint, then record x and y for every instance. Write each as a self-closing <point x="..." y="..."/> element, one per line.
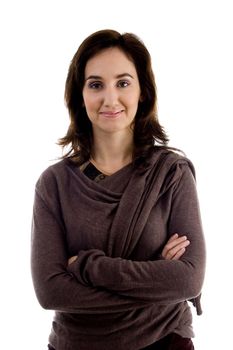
<point x="72" y="259"/>
<point x="175" y="247"/>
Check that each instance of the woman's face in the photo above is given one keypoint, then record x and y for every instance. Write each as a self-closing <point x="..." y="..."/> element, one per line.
<point x="111" y="91"/>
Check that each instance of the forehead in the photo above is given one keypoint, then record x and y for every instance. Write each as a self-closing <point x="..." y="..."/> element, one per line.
<point x="111" y="60"/>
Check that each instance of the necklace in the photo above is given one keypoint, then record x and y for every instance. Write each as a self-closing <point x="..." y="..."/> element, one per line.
<point x="99" y="168"/>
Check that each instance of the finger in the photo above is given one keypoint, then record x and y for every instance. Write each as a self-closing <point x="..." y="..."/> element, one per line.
<point x="172" y="244"/>
<point x="181" y="245"/>
<point x="173" y="251"/>
<point x="173" y="237"/>
<point x="175" y="242"/>
<point x="178" y="255"/>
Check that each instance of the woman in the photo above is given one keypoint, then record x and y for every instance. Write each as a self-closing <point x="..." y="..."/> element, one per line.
<point x="117" y="242"/>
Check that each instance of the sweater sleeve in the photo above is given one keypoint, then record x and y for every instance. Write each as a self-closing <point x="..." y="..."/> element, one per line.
<point x="159" y="281"/>
<point x="56" y="288"/>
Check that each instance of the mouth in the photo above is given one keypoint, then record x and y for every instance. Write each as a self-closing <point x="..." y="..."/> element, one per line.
<point x="111" y="114"/>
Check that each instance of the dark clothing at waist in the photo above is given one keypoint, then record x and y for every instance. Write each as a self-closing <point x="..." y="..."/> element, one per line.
<point x="172" y="341"/>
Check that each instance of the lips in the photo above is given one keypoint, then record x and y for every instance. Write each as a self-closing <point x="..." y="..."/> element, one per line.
<point x="111" y="114"/>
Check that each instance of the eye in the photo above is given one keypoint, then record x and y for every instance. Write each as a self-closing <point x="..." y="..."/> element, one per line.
<point x="123" y="83"/>
<point x="95" y="85"/>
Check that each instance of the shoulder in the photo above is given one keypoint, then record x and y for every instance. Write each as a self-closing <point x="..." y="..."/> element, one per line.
<point x="174" y="168"/>
<point x="171" y="159"/>
<point x="52" y="171"/>
<point x="182" y="162"/>
<point x="181" y="173"/>
<point x="48" y="181"/>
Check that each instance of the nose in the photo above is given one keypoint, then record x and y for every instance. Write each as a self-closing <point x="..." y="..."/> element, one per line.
<point x="111" y="96"/>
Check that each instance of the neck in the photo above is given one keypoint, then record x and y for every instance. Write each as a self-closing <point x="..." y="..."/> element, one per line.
<point x="112" y="152"/>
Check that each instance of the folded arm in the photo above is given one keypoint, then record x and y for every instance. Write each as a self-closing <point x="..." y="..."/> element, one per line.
<point x="161" y="281"/>
<point x="56" y="288"/>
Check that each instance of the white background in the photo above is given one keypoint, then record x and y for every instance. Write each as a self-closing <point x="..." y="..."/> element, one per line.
<point x="191" y="46"/>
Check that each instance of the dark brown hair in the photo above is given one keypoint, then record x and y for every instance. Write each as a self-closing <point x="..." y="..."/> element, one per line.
<point x="147" y="131"/>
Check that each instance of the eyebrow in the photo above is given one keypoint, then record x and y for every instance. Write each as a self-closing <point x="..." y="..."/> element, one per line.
<point x="117" y="76"/>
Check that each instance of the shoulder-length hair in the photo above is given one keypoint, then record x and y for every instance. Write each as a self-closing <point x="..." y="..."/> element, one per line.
<point x="146" y="128"/>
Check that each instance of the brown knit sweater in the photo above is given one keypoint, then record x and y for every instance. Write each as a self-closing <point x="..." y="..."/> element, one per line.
<point x="119" y="293"/>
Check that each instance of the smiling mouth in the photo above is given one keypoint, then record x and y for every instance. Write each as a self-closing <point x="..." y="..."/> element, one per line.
<point x="111" y="114"/>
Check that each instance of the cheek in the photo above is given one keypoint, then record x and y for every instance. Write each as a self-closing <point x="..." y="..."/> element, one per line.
<point x="133" y="98"/>
<point x="90" y="101"/>
<point x="132" y="102"/>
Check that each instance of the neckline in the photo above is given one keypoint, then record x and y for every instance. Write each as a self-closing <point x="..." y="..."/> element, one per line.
<point x="92" y="172"/>
<point x="95" y="165"/>
<point x="104" y="183"/>
<point x="107" y="174"/>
